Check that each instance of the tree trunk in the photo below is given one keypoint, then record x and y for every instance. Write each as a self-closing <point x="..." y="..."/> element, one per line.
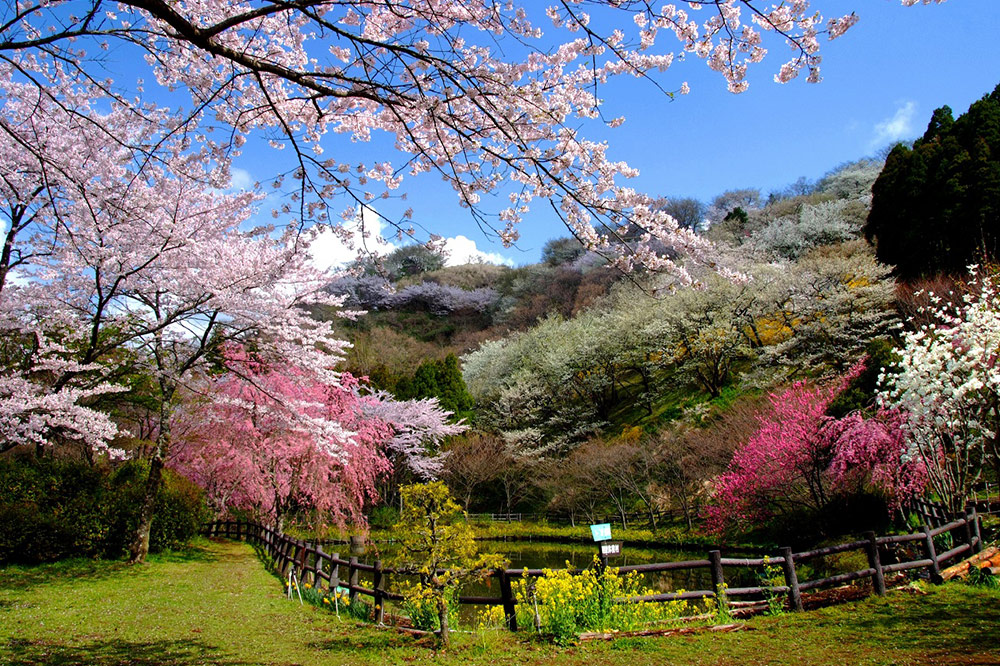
<point x="686" y="508"/>
<point x="443" y="619"/>
<point x="140" y="542"/>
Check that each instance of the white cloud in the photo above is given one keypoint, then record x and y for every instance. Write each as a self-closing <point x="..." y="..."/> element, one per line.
<point x="899" y="126"/>
<point x="331" y="250"/>
<point x="240" y="179"/>
<point x="462" y="250"/>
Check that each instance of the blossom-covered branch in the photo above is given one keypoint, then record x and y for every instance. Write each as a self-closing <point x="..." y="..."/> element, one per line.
<point x="433" y="75"/>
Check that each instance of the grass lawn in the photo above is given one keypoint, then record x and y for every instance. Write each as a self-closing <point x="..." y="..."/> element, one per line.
<point x="215" y="604"/>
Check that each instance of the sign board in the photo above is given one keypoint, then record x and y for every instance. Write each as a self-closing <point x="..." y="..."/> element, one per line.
<point x="611" y="549"/>
<point x="601" y="532"/>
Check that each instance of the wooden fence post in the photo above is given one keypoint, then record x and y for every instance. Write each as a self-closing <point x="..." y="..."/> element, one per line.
<point x="352" y="577"/>
<point x="318" y="574"/>
<point x="792" y="580"/>
<point x="286" y="554"/>
<point x="301" y="560"/>
<point x="718" y="580"/>
<point x="935" y="568"/>
<point x="974" y="517"/>
<point x="507" y="595"/>
<point x="967" y="531"/>
<point x="379" y="589"/>
<point x="875" y="562"/>
<point x="334" y="573"/>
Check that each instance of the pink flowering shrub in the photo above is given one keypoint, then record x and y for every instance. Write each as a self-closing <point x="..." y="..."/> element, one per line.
<point x="873" y="452"/>
<point x="800" y="458"/>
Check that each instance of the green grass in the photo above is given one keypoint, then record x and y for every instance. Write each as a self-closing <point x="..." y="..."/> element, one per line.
<point x="215" y="604"/>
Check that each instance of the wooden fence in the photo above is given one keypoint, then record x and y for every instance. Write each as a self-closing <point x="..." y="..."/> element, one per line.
<point x="313" y="565"/>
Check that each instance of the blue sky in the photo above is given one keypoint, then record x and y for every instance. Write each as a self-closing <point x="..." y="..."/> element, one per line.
<point x="881" y="81"/>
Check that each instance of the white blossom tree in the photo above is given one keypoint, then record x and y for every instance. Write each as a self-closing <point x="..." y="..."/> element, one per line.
<point x="948" y="385"/>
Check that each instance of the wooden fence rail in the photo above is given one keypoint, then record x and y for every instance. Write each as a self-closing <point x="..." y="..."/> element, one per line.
<point x="315" y="566"/>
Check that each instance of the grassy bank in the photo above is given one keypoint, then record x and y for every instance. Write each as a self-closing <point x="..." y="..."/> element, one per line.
<point x="668" y="535"/>
<point x="215" y="604"/>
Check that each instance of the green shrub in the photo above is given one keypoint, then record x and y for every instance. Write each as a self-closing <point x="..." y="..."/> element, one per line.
<point x="52" y="508"/>
<point x="383" y="517"/>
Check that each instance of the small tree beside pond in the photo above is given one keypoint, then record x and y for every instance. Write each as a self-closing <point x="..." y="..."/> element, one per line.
<point x="437" y="544"/>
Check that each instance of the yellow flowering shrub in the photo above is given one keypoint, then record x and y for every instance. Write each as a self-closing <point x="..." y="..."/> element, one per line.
<point x="420" y="604"/>
<point x="564" y="604"/>
<point x="491" y="618"/>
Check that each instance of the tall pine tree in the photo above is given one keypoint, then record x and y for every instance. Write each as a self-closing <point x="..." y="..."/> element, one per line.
<point x="936" y="205"/>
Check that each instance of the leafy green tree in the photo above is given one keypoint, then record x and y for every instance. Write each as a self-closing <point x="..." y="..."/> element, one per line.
<point x="441" y="379"/>
<point x="936" y="205"/>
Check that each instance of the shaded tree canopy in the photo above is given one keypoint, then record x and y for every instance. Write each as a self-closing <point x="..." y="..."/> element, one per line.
<point x="936" y="205"/>
<point x="441" y="379"/>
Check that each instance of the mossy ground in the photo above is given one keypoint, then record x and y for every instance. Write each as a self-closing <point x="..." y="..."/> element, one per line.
<point x="215" y="604"/>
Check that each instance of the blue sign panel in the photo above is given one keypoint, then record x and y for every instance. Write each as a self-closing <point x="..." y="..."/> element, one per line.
<point x="601" y="532"/>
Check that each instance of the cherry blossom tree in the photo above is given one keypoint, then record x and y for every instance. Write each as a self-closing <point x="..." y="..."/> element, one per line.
<point x="948" y="385"/>
<point x="419" y="427"/>
<point x="59" y="158"/>
<point x="132" y="262"/>
<point x="269" y="439"/>
<point x="434" y="76"/>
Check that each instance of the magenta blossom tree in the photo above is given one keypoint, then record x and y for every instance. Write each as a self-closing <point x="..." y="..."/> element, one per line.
<point x="801" y="458"/>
